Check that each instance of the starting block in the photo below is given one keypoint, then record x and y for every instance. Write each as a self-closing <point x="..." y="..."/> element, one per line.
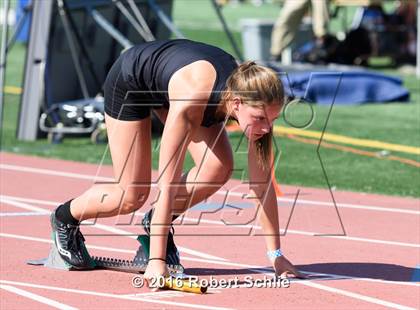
<point x="137" y="265"/>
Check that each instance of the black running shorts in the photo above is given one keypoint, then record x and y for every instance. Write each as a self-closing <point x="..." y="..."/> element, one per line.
<point x="120" y="101"/>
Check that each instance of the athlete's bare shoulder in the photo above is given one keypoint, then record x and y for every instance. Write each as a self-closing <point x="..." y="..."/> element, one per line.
<point x="192" y="85"/>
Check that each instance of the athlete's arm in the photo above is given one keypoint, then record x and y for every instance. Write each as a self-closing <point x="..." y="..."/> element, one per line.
<point x="189" y="90"/>
<point x="262" y="188"/>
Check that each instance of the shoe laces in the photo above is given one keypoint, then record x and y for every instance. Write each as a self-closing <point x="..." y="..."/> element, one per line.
<point x="75" y="238"/>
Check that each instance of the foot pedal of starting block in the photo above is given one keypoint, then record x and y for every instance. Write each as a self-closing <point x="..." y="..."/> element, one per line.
<point x="137" y="265"/>
<point x="143" y="254"/>
<point x="53" y="260"/>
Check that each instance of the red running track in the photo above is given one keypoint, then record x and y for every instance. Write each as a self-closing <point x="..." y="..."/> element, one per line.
<point x="372" y="267"/>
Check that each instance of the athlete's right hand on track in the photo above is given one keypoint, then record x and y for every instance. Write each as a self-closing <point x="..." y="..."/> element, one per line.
<point x="284" y="268"/>
<point x="156" y="269"/>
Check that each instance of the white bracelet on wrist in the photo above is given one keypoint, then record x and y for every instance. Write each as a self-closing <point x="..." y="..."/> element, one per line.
<point x="274" y="254"/>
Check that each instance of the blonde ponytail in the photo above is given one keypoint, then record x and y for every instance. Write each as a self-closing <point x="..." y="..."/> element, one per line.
<point x="258" y="86"/>
<point x="246" y="65"/>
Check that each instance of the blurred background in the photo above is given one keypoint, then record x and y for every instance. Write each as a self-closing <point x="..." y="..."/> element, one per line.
<point x="349" y="67"/>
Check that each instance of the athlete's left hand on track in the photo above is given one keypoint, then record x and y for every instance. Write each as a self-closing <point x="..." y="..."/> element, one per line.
<point x="284" y="268"/>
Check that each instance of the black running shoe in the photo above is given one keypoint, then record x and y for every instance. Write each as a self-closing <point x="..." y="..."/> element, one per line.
<point x="172" y="254"/>
<point x="70" y="244"/>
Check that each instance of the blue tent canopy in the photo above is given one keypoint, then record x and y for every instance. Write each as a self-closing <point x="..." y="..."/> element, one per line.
<point x="346" y="88"/>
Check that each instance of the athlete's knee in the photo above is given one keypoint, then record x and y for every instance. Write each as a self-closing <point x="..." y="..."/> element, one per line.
<point x="133" y="198"/>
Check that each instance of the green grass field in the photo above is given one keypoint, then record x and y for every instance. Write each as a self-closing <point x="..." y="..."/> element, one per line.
<point x="299" y="164"/>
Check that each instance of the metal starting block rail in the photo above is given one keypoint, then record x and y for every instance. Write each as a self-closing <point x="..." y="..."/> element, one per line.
<point x="131" y="266"/>
<point x="177" y="281"/>
<point x="137" y="265"/>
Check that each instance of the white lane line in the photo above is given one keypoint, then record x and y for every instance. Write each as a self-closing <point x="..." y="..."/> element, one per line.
<point x="253" y="268"/>
<point x="157" y="295"/>
<point x="30" y="200"/>
<point x="330" y="204"/>
<point x="199" y="253"/>
<point x="12" y="200"/>
<point x="357" y="296"/>
<point x="220" y="192"/>
<point x="103" y="248"/>
<point x="312" y="234"/>
<point x="331" y="276"/>
<point x="337" y="276"/>
<point x="107" y="228"/>
<point x="342" y="292"/>
<point x="23" y="205"/>
<point x="130" y="235"/>
<point x="43" y="240"/>
<point x="263" y="270"/>
<point x="323" y="287"/>
<point x="56" y="173"/>
<point x="377" y="241"/>
<point x="124" y="297"/>
<point x="118" y="250"/>
<point x="5" y="214"/>
<point x="36" y="297"/>
<point x="346" y="293"/>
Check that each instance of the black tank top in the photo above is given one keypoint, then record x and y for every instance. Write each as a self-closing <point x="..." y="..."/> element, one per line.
<point x="150" y="66"/>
